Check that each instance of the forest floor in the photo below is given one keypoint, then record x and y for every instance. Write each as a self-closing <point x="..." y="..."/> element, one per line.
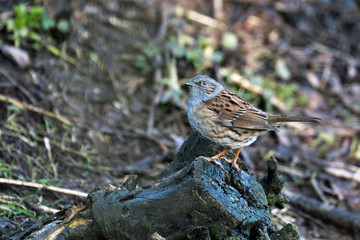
<point x="96" y="92"/>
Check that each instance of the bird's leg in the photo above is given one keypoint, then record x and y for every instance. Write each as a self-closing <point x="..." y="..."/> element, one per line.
<point x="216" y="157"/>
<point x="233" y="162"/>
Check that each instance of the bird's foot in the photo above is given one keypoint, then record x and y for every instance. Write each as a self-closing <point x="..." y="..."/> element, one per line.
<point x="233" y="162"/>
<point x="213" y="160"/>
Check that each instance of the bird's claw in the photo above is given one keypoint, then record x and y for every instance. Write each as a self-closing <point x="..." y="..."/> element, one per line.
<point x="213" y="160"/>
<point x="233" y="162"/>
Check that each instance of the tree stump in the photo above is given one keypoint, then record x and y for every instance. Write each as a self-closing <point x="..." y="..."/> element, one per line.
<point x="194" y="200"/>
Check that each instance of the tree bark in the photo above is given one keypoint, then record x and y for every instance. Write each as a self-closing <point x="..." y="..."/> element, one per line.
<point x="194" y="200"/>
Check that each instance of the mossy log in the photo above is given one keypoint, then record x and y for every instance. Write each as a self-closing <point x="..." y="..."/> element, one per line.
<point x="194" y="200"/>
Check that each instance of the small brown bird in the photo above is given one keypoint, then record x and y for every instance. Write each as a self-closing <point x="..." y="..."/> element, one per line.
<point x="227" y="119"/>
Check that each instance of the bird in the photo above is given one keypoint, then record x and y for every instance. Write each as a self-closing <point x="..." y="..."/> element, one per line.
<point x="225" y="118"/>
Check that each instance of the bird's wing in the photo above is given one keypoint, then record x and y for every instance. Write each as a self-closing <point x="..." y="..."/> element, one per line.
<point x="231" y="110"/>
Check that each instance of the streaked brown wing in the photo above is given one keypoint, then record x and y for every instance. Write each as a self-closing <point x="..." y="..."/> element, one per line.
<point x="234" y="111"/>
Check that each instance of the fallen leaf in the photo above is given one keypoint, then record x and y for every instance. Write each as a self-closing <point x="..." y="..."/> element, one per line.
<point x="20" y="56"/>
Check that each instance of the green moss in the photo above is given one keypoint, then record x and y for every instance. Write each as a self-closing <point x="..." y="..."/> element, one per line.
<point x="286" y="233"/>
<point x="276" y="200"/>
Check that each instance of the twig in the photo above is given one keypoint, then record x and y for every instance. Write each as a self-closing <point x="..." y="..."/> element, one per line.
<point x="26" y="106"/>
<point x="21" y="137"/>
<point x="254" y="2"/>
<point x="326" y="212"/>
<point x="131" y="87"/>
<point x="165" y="12"/>
<point x="293" y="172"/>
<point x="336" y="53"/>
<point x="349" y="103"/>
<point x="353" y="175"/>
<point x="49" y="153"/>
<point x="151" y="119"/>
<point x="218" y="6"/>
<point x="158" y="89"/>
<point x="8" y="199"/>
<point x="42" y="186"/>
<point x="47" y="209"/>
<point x="318" y="190"/>
<point x="26" y="156"/>
<point x="200" y="18"/>
<point x="156" y="236"/>
<point x="53" y="142"/>
<point x="114" y="84"/>
<point x="54" y="50"/>
<point x="18" y="85"/>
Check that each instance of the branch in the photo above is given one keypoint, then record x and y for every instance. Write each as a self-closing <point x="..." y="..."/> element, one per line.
<point x="42" y="186"/>
<point x="26" y="106"/>
<point x="326" y="212"/>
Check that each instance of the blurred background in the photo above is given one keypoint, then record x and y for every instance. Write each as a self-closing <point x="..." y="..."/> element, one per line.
<point x="91" y="91"/>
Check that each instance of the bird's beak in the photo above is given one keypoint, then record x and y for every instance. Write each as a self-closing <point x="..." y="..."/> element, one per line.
<point x="190" y="84"/>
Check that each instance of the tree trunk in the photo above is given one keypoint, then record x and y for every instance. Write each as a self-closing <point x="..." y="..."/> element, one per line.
<point x="194" y="200"/>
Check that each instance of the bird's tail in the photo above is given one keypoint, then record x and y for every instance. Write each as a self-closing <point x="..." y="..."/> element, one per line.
<point x="274" y="119"/>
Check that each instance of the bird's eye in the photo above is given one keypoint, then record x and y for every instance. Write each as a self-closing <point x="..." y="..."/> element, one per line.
<point x="203" y="83"/>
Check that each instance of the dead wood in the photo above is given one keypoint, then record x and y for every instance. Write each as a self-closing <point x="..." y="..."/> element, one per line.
<point x="199" y="201"/>
<point x="325" y="211"/>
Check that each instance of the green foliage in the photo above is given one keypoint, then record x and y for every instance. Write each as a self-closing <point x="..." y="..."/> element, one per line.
<point x="199" y="52"/>
<point x="5" y="169"/>
<point x="282" y="69"/>
<point x="302" y="100"/>
<point x="355" y="149"/>
<point x="63" y="26"/>
<point x="32" y="17"/>
<point x="13" y="207"/>
<point x="145" y="61"/>
<point x="268" y="154"/>
<point x="271" y="199"/>
<point x="38" y="160"/>
<point x="50" y="127"/>
<point x="25" y="156"/>
<point x="49" y="182"/>
<point x="324" y="141"/>
<point x="285" y="92"/>
<point x="230" y="40"/>
<point x="28" y="25"/>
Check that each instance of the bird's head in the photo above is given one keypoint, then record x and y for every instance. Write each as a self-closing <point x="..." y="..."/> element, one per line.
<point x="203" y="88"/>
